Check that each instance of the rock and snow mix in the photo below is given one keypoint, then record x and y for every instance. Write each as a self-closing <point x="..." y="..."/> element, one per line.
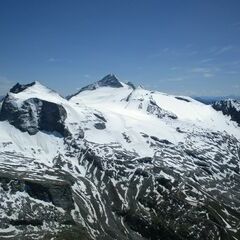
<point x="115" y="161"/>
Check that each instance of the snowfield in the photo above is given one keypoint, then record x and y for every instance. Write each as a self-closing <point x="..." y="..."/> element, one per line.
<point x="126" y="115"/>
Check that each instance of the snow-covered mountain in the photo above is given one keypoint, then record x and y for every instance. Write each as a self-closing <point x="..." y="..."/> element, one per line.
<point x="115" y="161"/>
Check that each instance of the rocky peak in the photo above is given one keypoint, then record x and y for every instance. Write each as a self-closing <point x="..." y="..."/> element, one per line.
<point x="36" y="108"/>
<point x="109" y="81"/>
<point x="130" y="84"/>
<point x="21" y="87"/>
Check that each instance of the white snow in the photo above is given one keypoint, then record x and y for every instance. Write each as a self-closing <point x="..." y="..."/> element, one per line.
<point x="120" y="108"/>
<point x="125" y="117"/>
<point x="41" y="146"/>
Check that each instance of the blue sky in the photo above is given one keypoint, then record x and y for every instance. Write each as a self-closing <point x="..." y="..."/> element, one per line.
<point x="188" y="47"/>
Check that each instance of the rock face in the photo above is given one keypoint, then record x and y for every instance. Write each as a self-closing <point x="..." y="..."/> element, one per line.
<point x="34" y="115"/>
<point x="109" y="80"/>
<point x="154" y="109"/>
<point x="58" y="193"/>
<point x="136" y="165"/>
<point x="229" y="107"/>
<point x="27" y="204"/>
<point x="21" y="87"/>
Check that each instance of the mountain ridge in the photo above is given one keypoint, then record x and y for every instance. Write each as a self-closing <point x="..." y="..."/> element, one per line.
<point x="128" y="163"/>
<point x="109" y="80"/>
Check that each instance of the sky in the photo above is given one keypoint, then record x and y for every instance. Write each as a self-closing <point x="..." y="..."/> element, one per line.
<point x="187" y="47"/>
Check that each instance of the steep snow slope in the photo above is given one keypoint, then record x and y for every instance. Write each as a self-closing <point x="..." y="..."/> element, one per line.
<point x="41" y="146"/>
<point x="189" y="110"/>
<point x="122" y="122"/>
<point x="116" y="162"/>
<point x="136" y="111"/>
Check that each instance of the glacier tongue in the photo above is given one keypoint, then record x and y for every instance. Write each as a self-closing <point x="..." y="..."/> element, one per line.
<point x="116" y="162"/>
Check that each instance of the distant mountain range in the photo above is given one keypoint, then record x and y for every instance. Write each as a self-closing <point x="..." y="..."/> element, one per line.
<point x="212" y="99"/>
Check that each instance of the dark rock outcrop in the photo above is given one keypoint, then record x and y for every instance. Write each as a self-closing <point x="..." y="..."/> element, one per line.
<point x="182" y="99"/>
<point x="34" y="115"/>
<point x="130" y="84"/>
<point x="100" y="117"/>
<point x="154" y="109"/>
<point x="230" y="108"/>
<point x="100" y="125"/>
<point x="20" y="87"/>
<point x="109" y="81"/>
<point x="59" y="194"/>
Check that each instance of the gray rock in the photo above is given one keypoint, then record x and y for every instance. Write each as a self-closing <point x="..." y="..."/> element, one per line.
<point x="230" y="108"/>
<point x="100" y="125"/>
<point x="35" y="115"/>
<point x="21" y="87"/>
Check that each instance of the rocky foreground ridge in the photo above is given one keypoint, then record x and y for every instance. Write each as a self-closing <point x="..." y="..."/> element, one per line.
<point x="115" y="161"/>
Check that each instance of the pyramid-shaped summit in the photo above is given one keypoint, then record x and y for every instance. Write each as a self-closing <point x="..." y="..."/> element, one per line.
<point x="109" y="81"/>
